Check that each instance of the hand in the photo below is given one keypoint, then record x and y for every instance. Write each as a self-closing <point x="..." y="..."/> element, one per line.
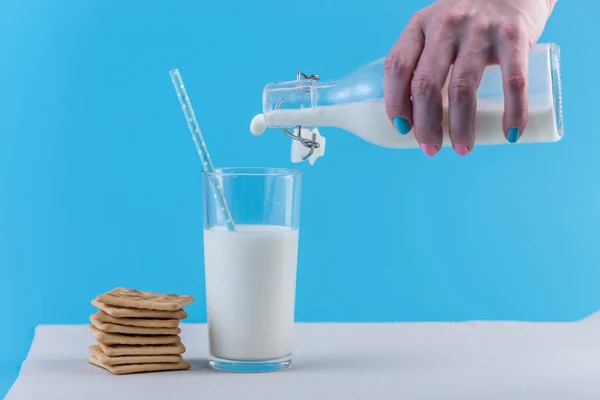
<point x="468" y="34"/>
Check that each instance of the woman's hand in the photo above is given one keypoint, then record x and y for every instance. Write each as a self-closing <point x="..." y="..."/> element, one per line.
<point x="468" y="34"/>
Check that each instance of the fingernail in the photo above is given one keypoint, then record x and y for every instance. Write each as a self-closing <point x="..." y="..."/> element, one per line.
<point x="402" y="125"/>
<point x="430" y="149"/>
<point x="461" y="149"/>
<point x="513" y="135"/>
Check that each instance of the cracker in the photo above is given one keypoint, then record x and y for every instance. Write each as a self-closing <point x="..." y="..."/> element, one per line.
<point x="132" y="330"/>
<point x="119" y="338"/>
<point x="122" y="360"/>
<point x="136" y="368"/>
<point x="130" y="298"/>
<point x="133" y="350"/>
<point x="145" y="323"/>
<point x="124" y="312"/>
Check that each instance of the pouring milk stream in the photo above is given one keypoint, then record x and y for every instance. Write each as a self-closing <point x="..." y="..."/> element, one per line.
<point x="355" y="104"/>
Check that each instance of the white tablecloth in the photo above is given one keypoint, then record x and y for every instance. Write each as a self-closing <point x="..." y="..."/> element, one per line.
<point x="472" y="360"/>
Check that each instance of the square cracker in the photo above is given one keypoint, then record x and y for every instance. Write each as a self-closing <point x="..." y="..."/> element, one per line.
<point x="122" y="360"/>
<point x="135" y="368"/>
<point x="130" y="298"/>
<point x="124" y="312"/>
<point x="144" y="323"/>
<point x="138" y="350"/>
<point x="132" y="330"/>
<point x="119" y="338"/>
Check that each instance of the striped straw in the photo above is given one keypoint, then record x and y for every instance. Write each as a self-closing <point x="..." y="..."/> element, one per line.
<point x="207" y="165"/>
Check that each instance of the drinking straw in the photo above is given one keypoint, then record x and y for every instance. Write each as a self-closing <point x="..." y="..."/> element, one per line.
<point x="207" y="165"/>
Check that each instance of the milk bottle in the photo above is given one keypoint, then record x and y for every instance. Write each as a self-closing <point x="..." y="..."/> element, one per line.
<point x="355" y="104"/>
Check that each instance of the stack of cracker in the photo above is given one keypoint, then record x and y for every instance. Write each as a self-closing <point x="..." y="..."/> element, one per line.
<point x="138" y="331"/>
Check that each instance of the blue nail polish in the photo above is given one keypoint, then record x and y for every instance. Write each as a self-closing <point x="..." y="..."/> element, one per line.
<point x="402" y="125"/>
<point x="513" y="135"/>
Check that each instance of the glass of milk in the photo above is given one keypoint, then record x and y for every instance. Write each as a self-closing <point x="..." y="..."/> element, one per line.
<point x="251" y="272"/>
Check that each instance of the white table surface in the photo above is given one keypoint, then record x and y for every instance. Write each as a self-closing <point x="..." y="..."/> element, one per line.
<point x="472" y="360"/>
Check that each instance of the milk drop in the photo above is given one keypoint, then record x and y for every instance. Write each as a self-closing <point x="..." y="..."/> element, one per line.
<point x="258" y="125"/>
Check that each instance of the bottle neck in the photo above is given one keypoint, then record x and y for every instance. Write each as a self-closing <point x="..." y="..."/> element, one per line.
<point x="294" y="95"/>
<point x="289" y="104"/>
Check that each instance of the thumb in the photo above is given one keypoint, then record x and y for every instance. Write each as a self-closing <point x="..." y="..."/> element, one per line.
<point x="399" y="67"/>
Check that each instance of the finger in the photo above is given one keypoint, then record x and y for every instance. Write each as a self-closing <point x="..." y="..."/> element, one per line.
<point x="399" y="67"/>
<point x="462" y="96"/>
<point x="426" y="87"/>
<point x="512" y="49"/>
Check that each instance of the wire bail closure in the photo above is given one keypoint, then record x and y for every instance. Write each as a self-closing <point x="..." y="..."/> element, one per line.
<point x="311" y="144"/>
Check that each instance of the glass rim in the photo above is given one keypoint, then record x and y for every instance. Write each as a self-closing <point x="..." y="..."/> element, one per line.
<point x="252" y="171"/>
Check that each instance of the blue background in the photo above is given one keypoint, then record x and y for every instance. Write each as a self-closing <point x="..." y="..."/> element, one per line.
<point x="100" y="182"/>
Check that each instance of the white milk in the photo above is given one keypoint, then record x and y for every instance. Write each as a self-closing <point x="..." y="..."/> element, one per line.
<point x="250" y="291"/>
<point x="368" y="120"/>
